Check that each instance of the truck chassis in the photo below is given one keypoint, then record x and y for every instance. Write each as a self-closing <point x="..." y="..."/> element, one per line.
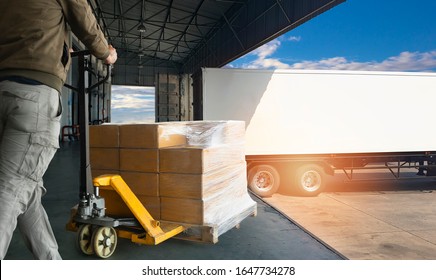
<point x="307" y="173"/>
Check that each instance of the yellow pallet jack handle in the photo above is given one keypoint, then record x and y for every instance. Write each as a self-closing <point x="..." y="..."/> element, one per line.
<point x="155" y="232"/>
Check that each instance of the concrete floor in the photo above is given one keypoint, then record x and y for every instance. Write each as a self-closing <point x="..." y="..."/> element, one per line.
<point x="268" y="236"/>
<point x="376" y="220"/>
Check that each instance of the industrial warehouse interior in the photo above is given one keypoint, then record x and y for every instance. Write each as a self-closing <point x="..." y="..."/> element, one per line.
<point x="260" y="168"/>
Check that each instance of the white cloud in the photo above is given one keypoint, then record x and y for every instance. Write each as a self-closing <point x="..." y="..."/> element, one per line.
<point x="405" y="61"/>
<point x="263" y="53"/>
<point x="136" y="101"/>
<point x="131" y="104"/>
<point x="294" y="38"/>
<point x="267" y="49"/>
<point x="266" y="63"/>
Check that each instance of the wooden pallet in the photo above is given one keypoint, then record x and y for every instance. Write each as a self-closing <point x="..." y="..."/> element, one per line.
<point x="210" y="233"/>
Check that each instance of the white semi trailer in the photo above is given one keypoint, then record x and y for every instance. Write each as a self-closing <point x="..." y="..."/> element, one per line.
<point x="304" y="125"/>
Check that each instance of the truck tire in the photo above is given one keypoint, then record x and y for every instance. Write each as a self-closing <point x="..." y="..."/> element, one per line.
<point x="309" y="180"/>
<point x="263" y="180"/>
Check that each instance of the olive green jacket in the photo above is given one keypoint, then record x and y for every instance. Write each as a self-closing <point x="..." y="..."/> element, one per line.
<point x="33" y="36"/>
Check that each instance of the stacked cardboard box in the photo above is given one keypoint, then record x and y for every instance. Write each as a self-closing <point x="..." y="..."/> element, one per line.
<point x="184" y="172"/>
<point x="136" y="150"/>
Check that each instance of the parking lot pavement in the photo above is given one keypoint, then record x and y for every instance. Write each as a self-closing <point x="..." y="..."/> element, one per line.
<point x="380" y="221"/>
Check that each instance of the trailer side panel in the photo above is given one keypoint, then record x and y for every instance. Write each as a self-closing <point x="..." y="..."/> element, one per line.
<point x="325" y="112"/>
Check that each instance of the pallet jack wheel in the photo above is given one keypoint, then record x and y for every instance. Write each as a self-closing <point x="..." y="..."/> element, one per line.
<point x="84" y="239"/>
<point x="105" y="242"/>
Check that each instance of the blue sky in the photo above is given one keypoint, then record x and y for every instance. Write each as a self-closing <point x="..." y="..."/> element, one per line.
<point x="357" y="35"/>
<point x="381" y="35"/>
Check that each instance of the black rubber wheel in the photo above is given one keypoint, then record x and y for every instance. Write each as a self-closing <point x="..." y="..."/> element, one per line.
<point x="309" y="180"/>
<point x="263" y="180"/>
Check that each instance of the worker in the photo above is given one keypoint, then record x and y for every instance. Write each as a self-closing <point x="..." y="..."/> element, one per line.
<point x="34" y="61"/>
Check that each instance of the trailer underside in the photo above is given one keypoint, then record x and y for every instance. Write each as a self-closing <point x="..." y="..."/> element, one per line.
<point x="306" y="174"/>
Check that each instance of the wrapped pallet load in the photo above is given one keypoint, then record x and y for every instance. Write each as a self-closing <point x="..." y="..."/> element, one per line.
<point x="200" y="170"/>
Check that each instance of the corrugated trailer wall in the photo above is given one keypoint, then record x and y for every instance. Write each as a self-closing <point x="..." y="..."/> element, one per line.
<point x="173" y="97"/>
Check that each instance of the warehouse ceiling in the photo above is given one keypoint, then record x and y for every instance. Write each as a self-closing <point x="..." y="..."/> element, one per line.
<point x="180" y="36"/>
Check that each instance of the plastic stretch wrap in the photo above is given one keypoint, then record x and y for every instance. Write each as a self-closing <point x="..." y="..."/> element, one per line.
<point x="199" y="159"/>
<point x="215" y="133"/>
<point x="215" y="198"/>
<point x="200" y="167"/>
<point x="167" y="134"/>
<point x="232" y="198"/>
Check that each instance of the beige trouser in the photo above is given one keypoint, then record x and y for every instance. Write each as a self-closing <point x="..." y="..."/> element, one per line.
<point x="29" y="131"/>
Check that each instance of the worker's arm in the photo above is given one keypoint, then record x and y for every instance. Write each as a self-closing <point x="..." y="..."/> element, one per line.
<point x="84" y="25"/>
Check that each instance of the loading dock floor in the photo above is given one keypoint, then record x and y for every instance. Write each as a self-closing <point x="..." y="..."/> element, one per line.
<point x="269" y="235"/>
<point x="375" y="220"/>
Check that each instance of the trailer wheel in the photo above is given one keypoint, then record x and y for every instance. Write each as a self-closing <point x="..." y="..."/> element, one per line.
<point x="84" y="239"/>
<point x="105" y="242"/>
<point x="309" y="180"/>
<point x="263" y="180"/>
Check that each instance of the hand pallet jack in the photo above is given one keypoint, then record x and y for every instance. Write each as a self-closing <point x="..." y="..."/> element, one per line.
<point x="98" y="233"/>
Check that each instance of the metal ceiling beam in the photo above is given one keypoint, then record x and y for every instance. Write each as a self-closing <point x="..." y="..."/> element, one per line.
<point x="186" y="35"/>
<point x="257" y="24"/>
<point x="162" y="30"/>
<point x="194" y="15"/>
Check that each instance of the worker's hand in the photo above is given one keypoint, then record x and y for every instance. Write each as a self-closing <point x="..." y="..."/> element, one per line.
<point x="112" y="56"/>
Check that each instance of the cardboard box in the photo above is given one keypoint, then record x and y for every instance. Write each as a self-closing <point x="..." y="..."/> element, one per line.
<point x="182" y="210"/>
<point x="215" y="210"/>
<point x="139" y="182"/>
<point x="104" y="136"/>
<point x="116" y="207"/>
<point x="142" y="183"/>
<point x="139" y="160"/>
<point x="152" y="135"/>
<point x="198" y="159"/>
<point x="104" y="158"/>
<point x="98" y="172"/>
<point x="201" y="186"/>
